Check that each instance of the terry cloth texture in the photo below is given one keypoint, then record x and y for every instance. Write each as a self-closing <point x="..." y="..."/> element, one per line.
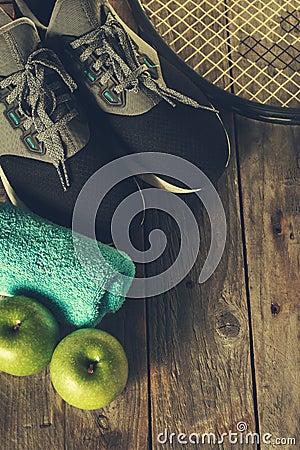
<point x="38" y="259"/>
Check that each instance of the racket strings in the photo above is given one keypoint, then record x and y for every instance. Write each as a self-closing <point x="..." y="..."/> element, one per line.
<point x="250" y="48"/>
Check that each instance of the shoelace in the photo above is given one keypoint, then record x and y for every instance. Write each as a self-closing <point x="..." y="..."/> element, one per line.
<point x="29" y="88"/>
<point x="123" y="64"/>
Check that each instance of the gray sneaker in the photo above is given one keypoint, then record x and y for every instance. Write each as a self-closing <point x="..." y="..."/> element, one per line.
<point x="47" y="151"/>
<point x="40" y="118"/>
<point x="151" y="105"/>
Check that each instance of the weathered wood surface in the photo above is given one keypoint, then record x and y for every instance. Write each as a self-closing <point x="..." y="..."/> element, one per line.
<point x="3" y="196"/>
<point x="270" y="174"/>
<point x="198" y="364"/>
<point x="7" y="6"/>
<point x="200" y="367"/>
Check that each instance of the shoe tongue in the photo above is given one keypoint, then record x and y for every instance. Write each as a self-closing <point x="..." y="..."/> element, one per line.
<point x="74" y="17"/>
<point x="18" y="39"/>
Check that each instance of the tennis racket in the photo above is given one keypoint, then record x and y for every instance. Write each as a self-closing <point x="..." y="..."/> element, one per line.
<point x="244" y="54"/>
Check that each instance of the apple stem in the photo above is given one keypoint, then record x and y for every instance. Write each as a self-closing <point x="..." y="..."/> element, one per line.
<point x="91" y="368"/>
<point x="17" y="326"/>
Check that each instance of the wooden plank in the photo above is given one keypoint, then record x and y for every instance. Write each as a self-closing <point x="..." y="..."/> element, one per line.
<point x="200" y="370"/>
<point x="8" y="7"/>
<point x="31" y="416"/>
<point x="270" y="171"/>
<point x="124" y="11"/>
<point x="3" y="196"/>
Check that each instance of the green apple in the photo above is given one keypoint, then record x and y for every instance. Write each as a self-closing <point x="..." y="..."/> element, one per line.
<point x="89" y="368"/>
<point x="28" y="336"/>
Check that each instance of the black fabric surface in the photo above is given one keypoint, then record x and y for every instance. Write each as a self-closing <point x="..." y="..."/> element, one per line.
<point x="193" y="134"/>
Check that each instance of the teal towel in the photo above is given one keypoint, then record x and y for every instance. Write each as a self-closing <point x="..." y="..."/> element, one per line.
<point x="38" y="259"/>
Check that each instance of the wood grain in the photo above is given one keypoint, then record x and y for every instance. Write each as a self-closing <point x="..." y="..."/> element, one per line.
<point x="30" y="415"/>
<point x="7" y="6"/>
<point x="3" y="196"/>
<point x="270" y="169"/>
<point x="200" y="370"/>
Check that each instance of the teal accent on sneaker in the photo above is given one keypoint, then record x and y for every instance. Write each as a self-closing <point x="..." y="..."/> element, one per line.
<point x="89" y="75"/>
<point x="148" y="64"/>
<point x="30" y="142"/>
<point x="14" y="118"/>
<point x="109" y="97"/>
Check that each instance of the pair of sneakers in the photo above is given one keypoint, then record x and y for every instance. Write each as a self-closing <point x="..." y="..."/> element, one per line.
<point x="79" y="88"/>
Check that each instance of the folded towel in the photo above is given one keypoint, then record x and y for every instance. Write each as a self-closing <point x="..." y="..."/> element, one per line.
<point x="38" y="259"/>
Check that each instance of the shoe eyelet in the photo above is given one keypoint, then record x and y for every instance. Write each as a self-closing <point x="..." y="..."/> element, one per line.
<point x="152" y="68"/>
<point x="109" y="97"/>
<point x="33" y="145"/>
<point x="88" y="73"/>
<point x="13" y="118"/>
<point x="112" y="98"/>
